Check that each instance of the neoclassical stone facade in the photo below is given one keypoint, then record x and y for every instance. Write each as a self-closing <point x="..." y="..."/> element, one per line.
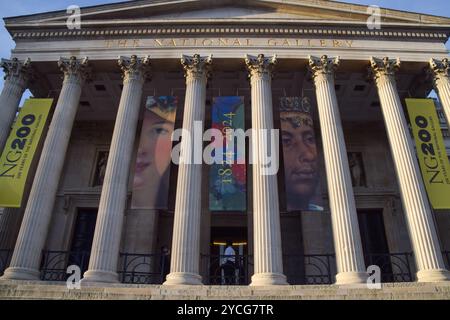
<point x="356" y="77"/>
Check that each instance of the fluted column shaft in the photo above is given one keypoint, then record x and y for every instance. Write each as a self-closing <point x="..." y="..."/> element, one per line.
<point x="421" y="226"/>
<point x="33" y="231"/>
<point x="346" y="235"/>
<point x="185" y="255"/>
<point x="108" y="230"/>
<point x="268" y="258"/>
<point x="16" y="80"/>
<point x="441" y="71"/>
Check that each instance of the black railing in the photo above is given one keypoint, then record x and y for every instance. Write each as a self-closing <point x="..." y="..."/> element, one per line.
<point x="227" y="270"/>
<point x="318" y="268"/>
<point x="5" y="256"/>
<point x="153" y="268"/>
<point x="54" y="264"/>
<point x="144" y="268"/>
<point x="395" y="267"/>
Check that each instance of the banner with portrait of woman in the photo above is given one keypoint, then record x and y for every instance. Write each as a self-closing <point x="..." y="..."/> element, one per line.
<point x="152" y="169"/>
<point x="301" y="161"/>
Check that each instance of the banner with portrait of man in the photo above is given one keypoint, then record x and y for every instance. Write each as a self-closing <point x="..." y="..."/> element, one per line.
<point x="152" y="170"/>
<point x="300" y="153"/>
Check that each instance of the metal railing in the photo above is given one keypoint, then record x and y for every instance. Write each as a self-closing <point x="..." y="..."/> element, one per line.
<point x="222" y="273"/>
<point x="5" y="256"/>
<point x="321" y="268"/>
<point x="144" y="268"/>
<point x="395" y="267"/>
<point x="318" y="268"/>
<point x="311" y="269"/>
<point x="54" y="264"/>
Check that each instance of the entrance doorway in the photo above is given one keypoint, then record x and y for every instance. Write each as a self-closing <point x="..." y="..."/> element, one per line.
<point x="82" y="238"/>
<point x="226" y="268"/>
<point x="374" y="242"/>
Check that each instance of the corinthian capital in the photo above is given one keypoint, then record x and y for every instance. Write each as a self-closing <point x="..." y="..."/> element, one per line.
<point x="17" y="70"/>
<point x="260" y="66"/>
<point x="196" y="66"/>
<point x="135" y="68"/>
<point x="75" y="69"/>
<point x="384" y="67"/>
<point x="440" y="68"/>
<point x="323" y="66"/>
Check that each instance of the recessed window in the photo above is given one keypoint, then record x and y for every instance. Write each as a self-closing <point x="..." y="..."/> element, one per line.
<point x="360" y="87"/>
<point x="357" y="172"/>
<point x="100" y="168"/>
<point x="100" y="87"/>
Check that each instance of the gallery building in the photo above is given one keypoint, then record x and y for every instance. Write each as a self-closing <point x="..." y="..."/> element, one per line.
<point x="353" y="77"/>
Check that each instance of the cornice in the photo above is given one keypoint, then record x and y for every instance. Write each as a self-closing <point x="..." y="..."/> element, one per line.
<point x="242" y="30"/>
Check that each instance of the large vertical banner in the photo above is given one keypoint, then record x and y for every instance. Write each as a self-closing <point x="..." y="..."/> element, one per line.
<point x="431" y="151"/>
<point x="301" y="161"/>
<point x="20" y="149"/>
<point x="152" y="170"/>
<point x="227" y="181"/>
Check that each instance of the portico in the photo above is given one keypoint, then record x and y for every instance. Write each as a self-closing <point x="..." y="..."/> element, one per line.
<point x="328" y="62"/>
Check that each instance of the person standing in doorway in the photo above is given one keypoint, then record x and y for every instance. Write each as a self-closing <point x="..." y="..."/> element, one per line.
<point x="229" y="263"/>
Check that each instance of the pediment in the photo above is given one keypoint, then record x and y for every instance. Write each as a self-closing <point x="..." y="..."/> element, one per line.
<point x="178" y="11"/>
<point x="233" y="12"/>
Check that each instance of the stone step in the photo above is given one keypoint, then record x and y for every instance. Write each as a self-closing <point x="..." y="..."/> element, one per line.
<point x="44" y="290"/>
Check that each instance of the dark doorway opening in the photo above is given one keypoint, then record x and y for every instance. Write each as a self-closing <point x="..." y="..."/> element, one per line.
<point x="226" y="268"/>
<point x="374" y="242"/>
<point x="82" y="239"/>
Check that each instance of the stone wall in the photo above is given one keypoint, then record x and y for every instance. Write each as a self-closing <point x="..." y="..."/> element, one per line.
<point x="56" y="291"/>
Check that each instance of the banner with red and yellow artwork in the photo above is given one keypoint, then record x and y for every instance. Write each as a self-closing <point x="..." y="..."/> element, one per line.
<point x="227" y="181"/>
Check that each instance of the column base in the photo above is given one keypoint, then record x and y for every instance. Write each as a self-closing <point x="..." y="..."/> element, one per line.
<point x="344" y="278"/>
<point x="183" y="278"/>
<point x="16" y="273"/>
<point x="433" y="275"/>
<point x="92" y="276"/>
<point x="269" y="279"/>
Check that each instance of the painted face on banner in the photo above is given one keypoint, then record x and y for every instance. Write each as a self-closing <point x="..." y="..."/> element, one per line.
<point x="300" y="159"/>
<point x="154" y="156"/>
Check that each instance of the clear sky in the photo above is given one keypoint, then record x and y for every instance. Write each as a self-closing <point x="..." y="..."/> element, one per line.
<point x="24" y="7"/>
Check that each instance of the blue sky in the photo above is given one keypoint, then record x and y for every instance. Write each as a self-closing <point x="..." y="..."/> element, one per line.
<point x="24" y="7"/>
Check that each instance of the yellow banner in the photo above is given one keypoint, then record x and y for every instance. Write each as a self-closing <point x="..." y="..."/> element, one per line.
<point x="19" y="151"/>
<point x="430" y="147"/>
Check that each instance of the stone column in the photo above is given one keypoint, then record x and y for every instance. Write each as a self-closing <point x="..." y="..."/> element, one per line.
<point x="108" y="230"/>
<point x="17" y="75"/>
<point x="347" y="239"/>
<point x="441" y="70"/>
<point x="268" y="259"/>
<point x="33" y="231"/>
<point x="185" y="256"/>
<point x="422" y="230"/>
